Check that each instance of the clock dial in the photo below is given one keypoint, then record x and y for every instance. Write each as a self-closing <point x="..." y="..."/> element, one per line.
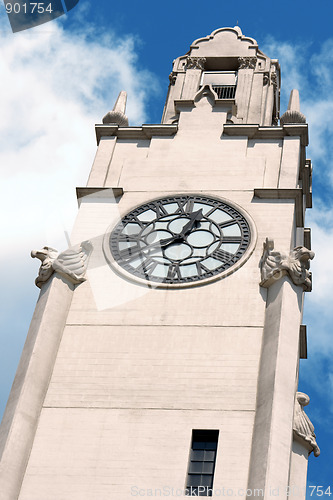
<point x="180" y="239"/>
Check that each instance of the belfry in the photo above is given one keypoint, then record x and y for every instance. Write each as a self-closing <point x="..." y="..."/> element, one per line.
<point x="163" y="355"/>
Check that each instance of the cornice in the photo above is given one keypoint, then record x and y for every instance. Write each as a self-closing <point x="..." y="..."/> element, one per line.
<point x="257" y="132"/>
<point x="99" y="192"/>
<point x="144" y="132"/>
<point x="190" y="103"/>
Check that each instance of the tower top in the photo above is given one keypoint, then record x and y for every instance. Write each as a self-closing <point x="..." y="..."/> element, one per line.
<point x="237" y="72"/>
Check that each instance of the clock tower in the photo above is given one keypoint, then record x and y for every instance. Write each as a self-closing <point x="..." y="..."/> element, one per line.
<point x="163" y="354"/>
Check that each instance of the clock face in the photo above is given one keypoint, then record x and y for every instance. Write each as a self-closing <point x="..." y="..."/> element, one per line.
<point x="180" y="239"/>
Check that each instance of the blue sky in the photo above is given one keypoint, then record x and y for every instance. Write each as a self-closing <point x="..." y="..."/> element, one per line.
<point x="58" y="79"/>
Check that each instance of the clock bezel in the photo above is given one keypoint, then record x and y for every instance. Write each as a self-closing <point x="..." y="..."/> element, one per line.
<point x="121" y="271"/>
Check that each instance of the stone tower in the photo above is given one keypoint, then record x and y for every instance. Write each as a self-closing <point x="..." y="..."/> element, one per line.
<point x="162" y="358"/>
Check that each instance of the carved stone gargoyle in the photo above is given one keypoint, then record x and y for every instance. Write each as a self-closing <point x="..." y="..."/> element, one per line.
<point x="274" y="265"/>
<point x="71" y="264"/>
<point x="302" y="426"/>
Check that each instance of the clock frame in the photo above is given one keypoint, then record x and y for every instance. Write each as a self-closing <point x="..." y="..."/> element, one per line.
<point x="180" y="240"/>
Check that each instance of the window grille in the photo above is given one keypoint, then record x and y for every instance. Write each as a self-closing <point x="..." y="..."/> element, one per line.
<point x="225" y="91"/>
<point x="202" y="463"/>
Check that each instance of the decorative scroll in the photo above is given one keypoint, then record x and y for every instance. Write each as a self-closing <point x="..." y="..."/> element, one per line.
<point x="247" y="62"/>
<point x="195" y="63"/>
<point x="302" y="426"/>
<point x="274" y="265"/>
<point x="71" y="264"/>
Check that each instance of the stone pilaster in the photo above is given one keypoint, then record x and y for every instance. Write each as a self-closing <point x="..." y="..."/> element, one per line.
<point x="31" y="382"/>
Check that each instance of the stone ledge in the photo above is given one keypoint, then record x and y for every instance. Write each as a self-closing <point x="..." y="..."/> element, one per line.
<point x="144" y="132"/>
<point x="100" y="192"/>
<point x="255" y="131"/>
<point x="284" y="194"/>
<point x="189" y="103"/>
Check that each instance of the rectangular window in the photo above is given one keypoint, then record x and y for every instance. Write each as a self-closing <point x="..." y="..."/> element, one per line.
<point x="222" y="82"/>
<point x="202" y="463"/>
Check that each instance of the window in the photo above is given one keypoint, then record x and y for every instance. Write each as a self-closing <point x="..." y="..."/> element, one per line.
<point x="222" y="82"/>
<point x="202" y="463"/>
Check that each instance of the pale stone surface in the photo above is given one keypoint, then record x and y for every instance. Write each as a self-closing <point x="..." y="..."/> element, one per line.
<point x="196" y="367"/>
<point x="277" y="382"/>
<point x="125" y="148"/>
<point x="298" y="470"/>
<point x="288" y="177"/>
<point x="102" y="162"/>
<point x="143" y="448"/>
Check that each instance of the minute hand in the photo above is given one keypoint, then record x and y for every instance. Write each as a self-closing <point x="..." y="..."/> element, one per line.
<point x="153" y="246"/>
<point x="195" y="216"/>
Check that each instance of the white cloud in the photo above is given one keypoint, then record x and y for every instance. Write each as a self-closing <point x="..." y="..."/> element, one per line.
<point x="55" y="85"/>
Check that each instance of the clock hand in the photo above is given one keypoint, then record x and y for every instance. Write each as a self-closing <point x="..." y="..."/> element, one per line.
<point x="178" y="238"/>
<point x="133" y="254"/>
<point x="194" y="217"/>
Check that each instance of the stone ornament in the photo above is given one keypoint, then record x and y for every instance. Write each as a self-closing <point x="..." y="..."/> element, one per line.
<point x="247" y="62"/>
<point x="274" y="79"/>
<point x="302" y="426"/>
<point x="293" y="113"/>
<point x="117" y="115"/>
<point x="172" y="78"/>
<point x="274" y="265"/>
<point x="195" y="63"/>
<point x="207" y="92"/>
<point x="71" y="264"/>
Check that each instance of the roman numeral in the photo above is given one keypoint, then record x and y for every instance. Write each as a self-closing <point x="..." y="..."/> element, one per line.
<point x="130" y="251"/>
<point x="138" y="221"/>
<point x="189" y="206"/>
<point x="127" y="238"/>
<point x="232" y="239"/>
<point x="201" y="269"/>
<point x="160" y="210"/>
<point x="147" y="267"/>
<point x="222" y="255"/>
<point x="181" y="204"/>
<point x="227" y="223"/>
<point x="173" y="272"/>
